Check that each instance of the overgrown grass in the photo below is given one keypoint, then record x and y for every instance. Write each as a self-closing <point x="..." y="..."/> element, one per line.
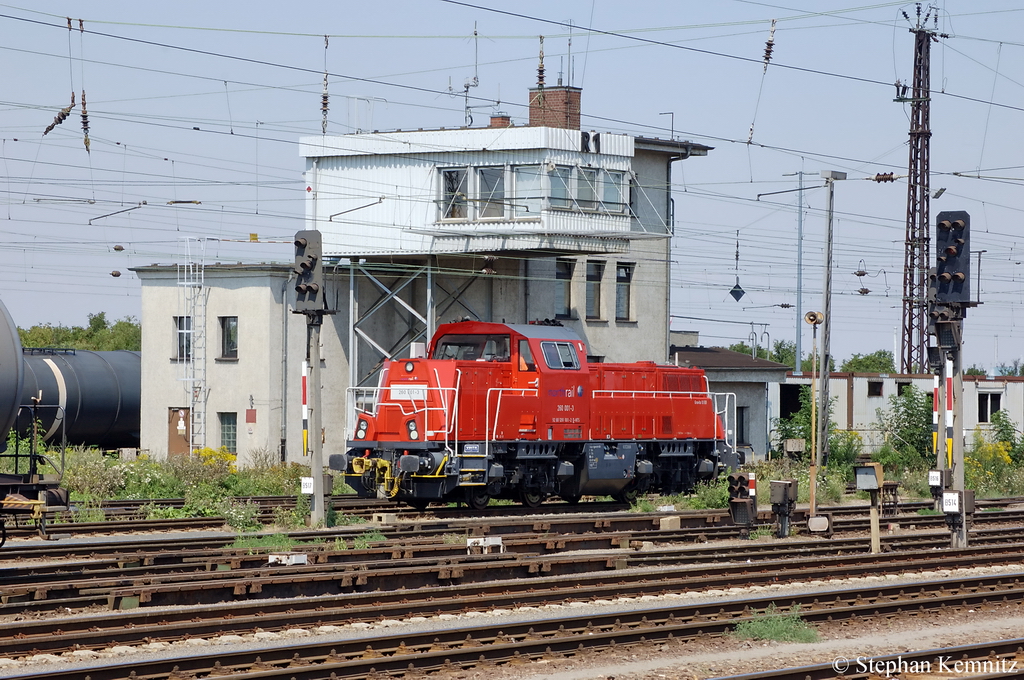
<point x="367" y="538"/>
<point x="264" y="542"/>
<point x="773" y="624"/>
<point x="929" y="511"/>
<point x="760" y="532"/>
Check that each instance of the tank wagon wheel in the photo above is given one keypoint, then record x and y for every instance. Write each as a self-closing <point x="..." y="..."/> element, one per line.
<point x="477" y="500"/>
<point x="531" y="500"/>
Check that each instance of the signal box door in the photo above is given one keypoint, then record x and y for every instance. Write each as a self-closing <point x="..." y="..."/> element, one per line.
<point x="179" y="432"/>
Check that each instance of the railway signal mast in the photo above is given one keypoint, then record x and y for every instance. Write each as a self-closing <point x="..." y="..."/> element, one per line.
<point x="309" y="300"/>
<point x="949" y="297"/>
<point x="913" y="352"/>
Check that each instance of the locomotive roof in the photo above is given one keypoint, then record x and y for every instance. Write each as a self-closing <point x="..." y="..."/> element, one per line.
<point x="540" y="331"/>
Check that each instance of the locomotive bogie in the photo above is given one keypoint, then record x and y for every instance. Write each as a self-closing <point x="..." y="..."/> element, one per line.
<point x="516" y="411"/>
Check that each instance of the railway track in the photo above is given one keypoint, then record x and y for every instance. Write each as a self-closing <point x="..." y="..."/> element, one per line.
<point x="307" y="595"/>
<point x="519" y="642"/>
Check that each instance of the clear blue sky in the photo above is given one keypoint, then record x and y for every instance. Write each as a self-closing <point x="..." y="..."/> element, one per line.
<point x="205" y="102"/>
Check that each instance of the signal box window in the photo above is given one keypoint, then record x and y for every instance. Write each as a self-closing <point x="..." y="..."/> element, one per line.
<point x="491" y="183"/>
<point x="874" y="388"/>
<point x="586" y="196"/>
<point x="623" y="292"/>
<point x="561" y="187"/>
<point x="611" y="195"/>
<point x="528" y="193"/>
<point x="183" y="326"/>
<point x="595" y="272"/>
<point x="454" y="190"/>
<point x="988" y="404"/>
<point x="473" y="347"/>
<point x="229" y="337"/>
<point x="526" y="357"/>
<point x="563" y="288"/>
<point x="560" y="355"/>
<point x="228" y="431"/>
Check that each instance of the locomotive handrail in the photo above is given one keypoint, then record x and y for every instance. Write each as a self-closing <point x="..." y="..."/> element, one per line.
<point x="653" y="393"/>
<point x="497" y="410"/>
<point x="357" y="395"/>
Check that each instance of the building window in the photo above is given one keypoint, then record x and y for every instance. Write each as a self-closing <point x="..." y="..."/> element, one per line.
<point x="623" y="286"/>
<point x="874" y="388"/>
<point x="612" y="192"/>
<point x="586" y="194"/>
<point x="988" y="403"/>
<point x="229" y="431"/>
<point x="229" y="337"/>
<point x="183" y="330"/>
<point x="561" y="187"/>
<point x="563" y="288"/>
<point x="901" y="387"/>
<point x="528" y="193"/>
<point x="454" y="190"/>
<point x="491" y="187"/>
<point x="595" y="272"/>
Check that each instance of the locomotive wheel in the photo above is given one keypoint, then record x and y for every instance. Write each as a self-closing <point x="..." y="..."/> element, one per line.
<point x="477" y="500"/>
<point x="531" y="500"/>
<point x="627" y="496"/>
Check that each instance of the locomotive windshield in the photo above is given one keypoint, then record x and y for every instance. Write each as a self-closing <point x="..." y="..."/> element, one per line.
<point x="473" y="347"/>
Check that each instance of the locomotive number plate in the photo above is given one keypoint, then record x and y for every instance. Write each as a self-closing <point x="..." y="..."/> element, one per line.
<point x="409" y="393"/>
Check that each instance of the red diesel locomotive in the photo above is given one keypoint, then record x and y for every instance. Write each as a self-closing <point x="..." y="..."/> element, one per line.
<point x="516" y="411"/>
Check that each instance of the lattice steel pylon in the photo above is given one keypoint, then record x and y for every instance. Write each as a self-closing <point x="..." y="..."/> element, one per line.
<point x="914" y="343"/>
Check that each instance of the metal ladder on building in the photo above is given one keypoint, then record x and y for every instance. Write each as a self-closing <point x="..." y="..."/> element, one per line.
<point x="193" y="293"/>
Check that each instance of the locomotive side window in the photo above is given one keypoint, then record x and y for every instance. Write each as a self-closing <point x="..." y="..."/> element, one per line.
<point x="560" y="355"/>
<point x="526" y="357"/>
<point x="473" y="348"/>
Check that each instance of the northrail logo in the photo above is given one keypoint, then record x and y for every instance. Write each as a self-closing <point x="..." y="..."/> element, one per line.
<point x="889" y="667"/>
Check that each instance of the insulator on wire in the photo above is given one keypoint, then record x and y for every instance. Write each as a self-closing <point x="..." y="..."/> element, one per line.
<point x="324" y="104"/>
<point x="85" y="124"/>
<point x="885" y="177"/>
<point x="61" y="116"/>
<point x="769" y="45"/>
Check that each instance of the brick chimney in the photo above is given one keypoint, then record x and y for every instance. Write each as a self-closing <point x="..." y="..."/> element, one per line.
<point x="557" y="107"/>
<point x="500" y="120"/>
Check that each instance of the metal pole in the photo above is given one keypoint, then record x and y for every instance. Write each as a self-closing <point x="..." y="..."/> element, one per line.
<point x="830" y="177"/>
<point x="797" y="363"/>
<point x="960" y="535"/>
<point x="316" y="454"/>
<point x="814" y="419"/>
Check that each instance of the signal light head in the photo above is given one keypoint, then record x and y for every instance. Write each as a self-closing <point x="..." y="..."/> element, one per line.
<point x="301" y="243"/>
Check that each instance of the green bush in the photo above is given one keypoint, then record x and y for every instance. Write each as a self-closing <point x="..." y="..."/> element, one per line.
<point x="710" y="495"/>
<point x="241" y="516"/>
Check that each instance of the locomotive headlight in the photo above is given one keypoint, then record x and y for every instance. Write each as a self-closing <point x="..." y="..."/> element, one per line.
<point x="411" y="427"/>
<point x="361" y="429"/>
<point x="409" y="366"/>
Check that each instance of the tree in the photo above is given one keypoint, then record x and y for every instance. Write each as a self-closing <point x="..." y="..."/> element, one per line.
<point x="99" y="335"/>
<point x="1016" y="367"/>
<point x="975" y="370"/>
<point x="782" y="352"/>
<point x="907" y="428"/>
<point x="876" y="362"/>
